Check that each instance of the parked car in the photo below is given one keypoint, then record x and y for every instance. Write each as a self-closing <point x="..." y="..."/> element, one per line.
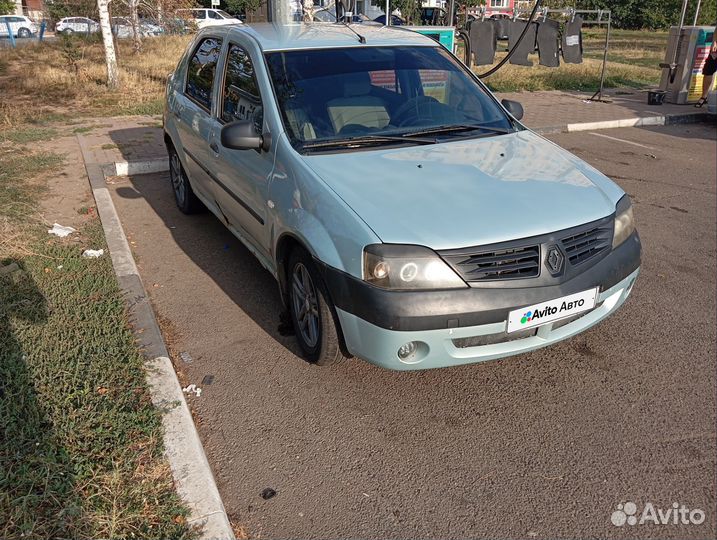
<point x="395" y="20"/>
<point x="20" y="26"/>
<point x="208" y="17"/>
<point x="329" y="15"/>
<point x="122" y="28"/>
<point x="79" y="25"/>
<point x="407" y="216"/>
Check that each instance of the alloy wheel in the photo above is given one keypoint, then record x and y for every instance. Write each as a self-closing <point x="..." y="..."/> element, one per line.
<point x="305" y="304"/>
<point x="178" y="184"/>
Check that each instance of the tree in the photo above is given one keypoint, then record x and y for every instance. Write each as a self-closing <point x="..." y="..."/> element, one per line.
<point x="409" y="8"/>
<point x="109" y="44"/>
<point x="7" y="7"/>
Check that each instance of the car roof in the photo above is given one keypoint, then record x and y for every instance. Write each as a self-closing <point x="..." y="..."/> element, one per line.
<point x="322" y="35"/>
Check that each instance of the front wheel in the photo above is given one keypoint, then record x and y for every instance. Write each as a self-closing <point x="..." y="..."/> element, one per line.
<point x="312" y="312"/>
<point x="186" y="200"/>
<point x="24" y="33"/>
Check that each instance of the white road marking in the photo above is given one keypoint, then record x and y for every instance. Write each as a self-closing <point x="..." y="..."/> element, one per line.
<point x="622" y="140"/>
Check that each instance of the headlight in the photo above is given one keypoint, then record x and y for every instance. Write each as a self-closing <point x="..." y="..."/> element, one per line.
<point x="394" y="266"/>
<point x="624" y="221"/>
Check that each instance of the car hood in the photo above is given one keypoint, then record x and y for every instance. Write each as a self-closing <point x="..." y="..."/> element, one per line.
<point x="467" y="193"/>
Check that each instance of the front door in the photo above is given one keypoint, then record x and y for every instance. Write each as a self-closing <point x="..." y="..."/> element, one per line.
<point x="242" y="176"/>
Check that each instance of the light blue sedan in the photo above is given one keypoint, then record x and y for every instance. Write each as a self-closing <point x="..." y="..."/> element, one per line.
<point x="408" y="217"/>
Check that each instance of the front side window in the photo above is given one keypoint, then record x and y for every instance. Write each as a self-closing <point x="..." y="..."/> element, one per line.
<point x="214" y="15"/>
<point x="242" y="100"/>
<point x="334" y="94"/>
<point x="201" y="69"/>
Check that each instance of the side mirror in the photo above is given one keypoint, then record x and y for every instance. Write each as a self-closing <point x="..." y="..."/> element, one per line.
<point x="241" y="135"/>
<point x="513" y="107"/>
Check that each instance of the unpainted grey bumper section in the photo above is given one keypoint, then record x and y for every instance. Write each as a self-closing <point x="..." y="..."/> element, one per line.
<point x="455" y="308"/>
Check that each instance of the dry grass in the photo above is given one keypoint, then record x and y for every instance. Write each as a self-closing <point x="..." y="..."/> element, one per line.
<point x="66" y="79"/>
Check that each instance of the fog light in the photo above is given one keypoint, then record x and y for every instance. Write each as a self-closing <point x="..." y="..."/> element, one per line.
<point x="407" y="350"/>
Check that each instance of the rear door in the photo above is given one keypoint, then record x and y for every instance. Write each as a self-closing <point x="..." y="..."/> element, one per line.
<point x="241" y="186"/>
<point x="193" y="110"/>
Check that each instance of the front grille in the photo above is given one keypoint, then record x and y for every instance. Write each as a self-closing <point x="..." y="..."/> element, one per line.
<point x="521" y="262"/>
<point x="585" y="245"/>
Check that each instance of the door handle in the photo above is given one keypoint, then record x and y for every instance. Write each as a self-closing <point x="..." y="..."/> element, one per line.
<point x="214" y="146"/>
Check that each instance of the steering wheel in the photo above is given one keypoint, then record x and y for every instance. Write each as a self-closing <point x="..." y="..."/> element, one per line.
<point x="417" y="105"/>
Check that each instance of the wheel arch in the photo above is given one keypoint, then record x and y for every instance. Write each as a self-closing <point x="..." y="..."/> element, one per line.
<point x="285" y="244"/>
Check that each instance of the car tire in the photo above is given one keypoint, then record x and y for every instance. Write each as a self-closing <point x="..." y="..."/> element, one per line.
<point x="184" y="195"/>
<point x="68" y="31"/>
<point x="312" y="312"/>
<point x="24" y="33"/>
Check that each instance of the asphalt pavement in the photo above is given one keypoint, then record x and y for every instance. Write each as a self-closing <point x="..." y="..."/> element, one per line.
<point x="541" y="445"/>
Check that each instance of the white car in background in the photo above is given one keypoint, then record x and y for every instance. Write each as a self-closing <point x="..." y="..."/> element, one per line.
<point x="79" y="25"/>
<point x="20" y="26"/>
<point x="122" y="28"/>
<point x="204" y="17"/>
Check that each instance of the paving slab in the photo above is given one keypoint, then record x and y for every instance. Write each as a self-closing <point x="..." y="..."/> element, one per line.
<point x="555" y="110"/>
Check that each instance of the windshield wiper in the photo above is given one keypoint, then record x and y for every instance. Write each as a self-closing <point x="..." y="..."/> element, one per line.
<point x="453" y="128"/>
<point x="366" y="140"/>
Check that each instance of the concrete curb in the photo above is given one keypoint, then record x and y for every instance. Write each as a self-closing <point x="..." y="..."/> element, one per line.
<point x="661" y="120"/>
<point x="130" y="168"/>
<point x="192" y="475"/>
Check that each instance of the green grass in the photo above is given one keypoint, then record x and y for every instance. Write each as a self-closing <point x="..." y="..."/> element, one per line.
<point x="81" y="452"/>
<point x="28" y="134"/>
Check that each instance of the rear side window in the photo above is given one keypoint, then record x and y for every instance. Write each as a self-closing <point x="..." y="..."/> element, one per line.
<point x="200" y="72"/>
<point x="200" y="14"/>
<point x="242" y="100"/>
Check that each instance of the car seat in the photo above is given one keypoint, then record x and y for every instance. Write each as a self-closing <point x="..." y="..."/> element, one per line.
<point x="357" y="107"/>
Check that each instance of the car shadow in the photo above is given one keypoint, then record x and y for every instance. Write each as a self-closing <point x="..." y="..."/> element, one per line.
<point x="220" y="255"/>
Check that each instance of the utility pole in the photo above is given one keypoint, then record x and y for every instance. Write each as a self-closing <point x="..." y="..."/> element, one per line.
<point x="110" y="56"/>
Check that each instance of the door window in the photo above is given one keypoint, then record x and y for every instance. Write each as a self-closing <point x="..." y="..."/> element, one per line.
<point x="214" y="15"/>
<point x="201" y="70"/>
<point x="200" y="14"/>
<point x="242" y="100"/>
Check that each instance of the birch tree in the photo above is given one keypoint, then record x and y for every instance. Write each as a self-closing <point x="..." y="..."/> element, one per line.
<point x="108" y="42"/>
<point x="134" y="18"/>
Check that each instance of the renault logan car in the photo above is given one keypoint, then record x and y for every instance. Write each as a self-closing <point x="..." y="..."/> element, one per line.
<point x="408" y="217"/>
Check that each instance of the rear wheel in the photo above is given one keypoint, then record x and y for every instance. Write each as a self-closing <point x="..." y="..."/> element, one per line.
<point x="186" y="200"/>
<point x="312" y="312"/>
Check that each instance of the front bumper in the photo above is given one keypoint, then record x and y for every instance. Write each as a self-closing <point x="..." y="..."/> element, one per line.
<point x="379" y="345"/>
<point x="377" y="322"/>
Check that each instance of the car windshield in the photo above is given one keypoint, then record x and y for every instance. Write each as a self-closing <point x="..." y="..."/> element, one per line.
<point x="380" y="93"/>
<point x="224" y="14"/>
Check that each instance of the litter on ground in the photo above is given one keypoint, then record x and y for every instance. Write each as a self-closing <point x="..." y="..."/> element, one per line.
<point x="93" y="253"/>
<point x="192" y="389"/>
<point x="61" y="230"/>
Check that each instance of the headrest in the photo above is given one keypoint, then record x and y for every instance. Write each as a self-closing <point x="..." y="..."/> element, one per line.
<point x="356" y="84"/>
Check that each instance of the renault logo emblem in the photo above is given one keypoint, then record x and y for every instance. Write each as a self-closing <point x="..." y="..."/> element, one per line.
<point x="554" y="260"/>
